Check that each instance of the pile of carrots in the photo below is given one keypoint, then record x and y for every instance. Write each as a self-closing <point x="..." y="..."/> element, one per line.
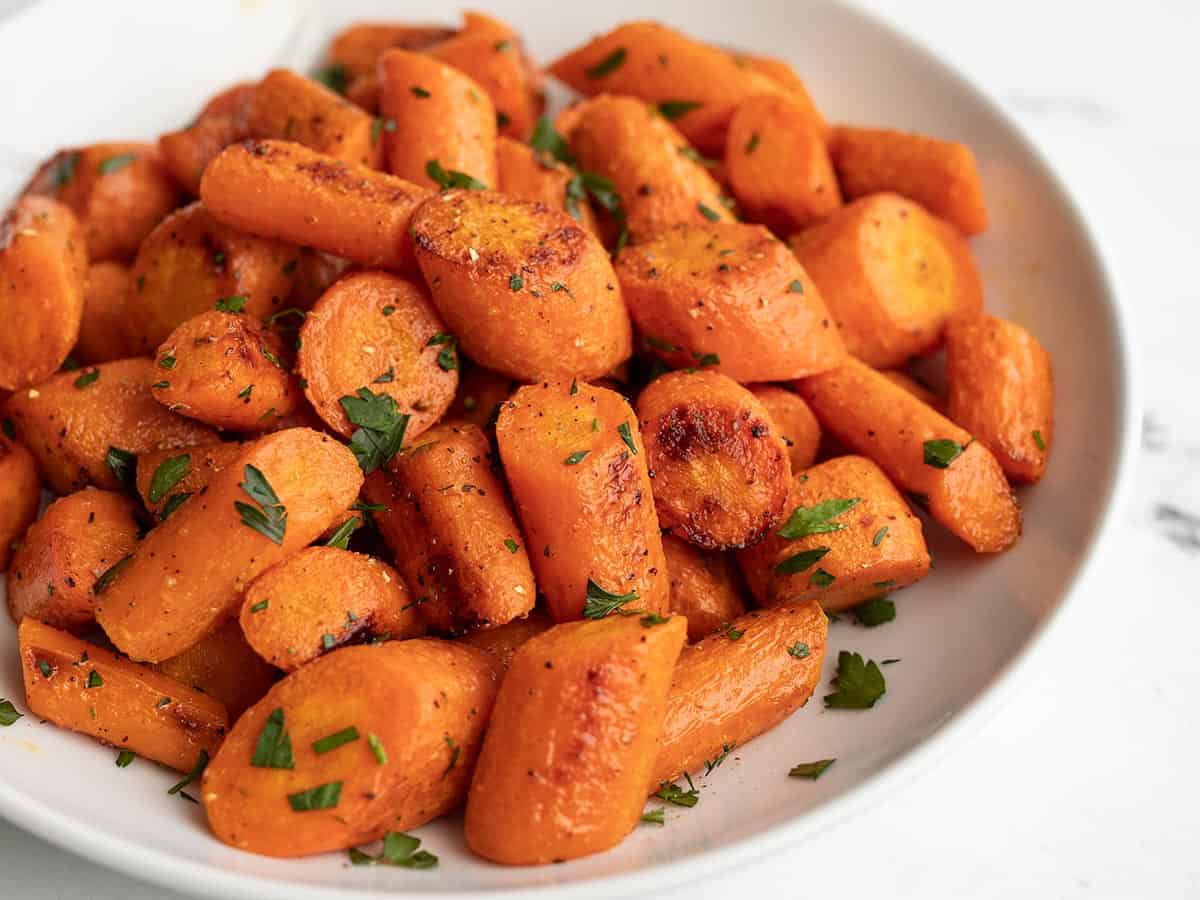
<point x="414" y="449"/>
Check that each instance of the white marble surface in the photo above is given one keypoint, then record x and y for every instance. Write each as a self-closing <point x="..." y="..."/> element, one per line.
<point x="1085" y="784"/>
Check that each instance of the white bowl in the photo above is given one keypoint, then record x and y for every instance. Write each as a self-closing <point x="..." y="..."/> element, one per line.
<point x="128" y="69"/>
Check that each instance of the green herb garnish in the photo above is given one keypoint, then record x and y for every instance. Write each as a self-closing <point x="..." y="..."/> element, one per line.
<point x="673" y="793"/>
<point x="810" y="770"/>
<point x="115" y="163"/>
<point x="673" y="109"/>
<point x="335" y="740"/>
<point x="167" y="475"/>
<point x="799" y="650"/>
<point x="447" y="359"/>
<point x="121" y="463"/>
<point x="859" y="684"/>
<point x="399" y="849"/>
<point x="89" y="377"/>
<point x="452" y="179"/>
<point x="1039" y="440"/>
<point x="234" y="304"/>
<point x="197" y="771"/>
<point x="801" y="561"/>
<point x="376" y="746"/>
<point x="380" y="428"/>
<point x="109" y="575"/>
<point x="817" y="519"/>
<point x="600" y="603"/>
<point x="821" y="578"/>
<point x="627" y="436"/>
<point x="274" y="747"/>
<point x="323" y="796"/>
<point x="708" y="212"/>
<point x="268" y="517"/>
<point x="941" y="453"/>
<point x="875" y="611"/>
<point x="8" y="713"/>
<point x="609" y="64"/>
<point x="576" y="458"/>
<point x="124" y="758"/>
<point x="879" y="536"/>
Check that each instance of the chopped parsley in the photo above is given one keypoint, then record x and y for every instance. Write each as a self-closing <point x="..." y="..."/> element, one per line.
<point x="609" y="64"/>
<point x="121" y="463"/>
<point x="447" y="359"/>
<point x="167" y="475"/>
<point x="323" y="796"/>
<point x="673" y="109"/>
<point x="801" y="561"/>
<point x="197" y="771"/>
<point x="1039" y="440"/>
<point x="94" y="679"/>
<point x="274" y="747"/>
<point x="335" y="740"/>
<point x="336" y="77"/>
<point x="710" y="764"/>
<point x="377" y="749"/>
<point x="752" y="144"/>
<point x="89" y="377"/>
<point x="654" y="817"/>
<point x="941" y="453"/>
<point x="515" y="283"/>
<point x="810" y="770"/>
<point x="234" y="304"/>
<point x="627" y="436"/>
<point x="673" y="793"/>
<point x="452" y="179"/>
<point x="817" y="519"/>
<point x="651" y="619"/>
<point x="399" y="849"/>
<point x="707" y="359"/>
<point x="859" y="684"/>
<point x="64" y="170"/>
<point x="260" y="606"/>
<point x="115" y="163"/>
<point x="124" y="758"/>
<point x="600" y="603"/>
<point x="799" y="650"/>
<point x="379" y="126"/>
<point x="455" y="750"/>
<point x="45" y="668"/>
<point x="268" y="516"/>
<point x="708" y="212"/>
<point x="548" y="144"/>
<point x="8" y="713"/>
<point x="173" y="503"/>
<point x="576" y="458"/>
<point x="167" y="362"/>
<point x="875" y="611"/>
<point x="796" y="286"/>
<point x="734" y="634"/>
<point x="380" y="428"/>
<point x="341" y="537"/>
<point x="821" y="578"/>
<point x="419" y="92"/>
<point x="879" y="536"/>
<point x="109" y="575"/>
<point x="511" y="545"/>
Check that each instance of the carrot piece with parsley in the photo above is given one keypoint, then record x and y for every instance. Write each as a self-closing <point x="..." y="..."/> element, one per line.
<point x="277" y="189"/>
<point x="87" y="426"/>
<point x="778" y="166"/>
<point x="440" y="124"/>
<point x="229" y="371"/>
<point x="940" y="175"/>
<point x="360" y="742"/>
<point x="378" y="331"/>
<point x="118" y="191"/>
<point x="43" y="270"/>
<point x="729" y="298"/>
<point x="452" y="531"/>
<point x="1002" y="391"/>
<point x="189" y="573"/>
<point x="572" y="740"/>
<point x="77" y="539"/>
<point x="649" y="176"/>
<point x="848" y="537"/>
<point x="525" y="288"/>
<point x="577" y="467"/>
<point x="696" y="84"/>
<point x="738" y="683"/>
<point x="89" y="689"/>
<point x="921" y="451"/>
<point x="532" y="175"/>
<point x="194" y="259"/>
<point x="287" y="106"/>
<point x="167" y="478"/>
<point x="320" y="599"/>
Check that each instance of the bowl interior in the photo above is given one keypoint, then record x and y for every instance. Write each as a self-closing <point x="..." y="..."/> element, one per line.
<point x="954" y="634"/>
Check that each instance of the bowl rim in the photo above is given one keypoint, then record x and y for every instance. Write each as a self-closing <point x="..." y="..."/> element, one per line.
<point x="161" y="868"/>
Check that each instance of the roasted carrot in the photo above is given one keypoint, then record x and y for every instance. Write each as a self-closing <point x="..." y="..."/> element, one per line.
<point x="102" y="330"/>
<point x="89" y="689"/>
<point x="794" y="421"/>
<point x="572" y="740"/>
<point x="705" y="588"/>
<point x="222" y="665"/>
<point x="282" y="190"/>
<point x="920" y="450"/>
<point x="20" y="494"/>
<point x="576" y="464"/>
<point x="167" y="478"/>
<point x="188" y="151"/>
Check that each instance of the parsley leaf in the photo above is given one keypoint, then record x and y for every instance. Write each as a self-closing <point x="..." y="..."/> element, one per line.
<point x="399" y="849"/>
<point x="600" y="603"/>
<point x="341" y="537"/>
<point x="627" y="436"/>
<point x="859" y="684"/>
<point x="377" y="749"/>
<point x="446" y="358"/>
<point x="115" y="163"/>
<point x="89" y="377"/>
<point x="708" y="212"/>
<point x="801" y="561"/>
<point x="121" y="463"/>
<point x="335" y="77"/>
<point x="879" y="536"/>
<point x="268" y="517"/>
<point x="811" y="770"/>
<point x="821" y="578"/>
<point x="380" y="430"/>
<point x="799" y="650"/>
<point x="875" y="611"/>
<point x="197" y="771"/>
<point x="1039" y="440"/>
<point x="64" y="170"/>
<point x="8" y="713"/>
<point x="817" y="519"/>
<point x="323" y="796"/>
<point x="124" y="758"/>
<point x="654" y="817"/>
<point x="710" y="764"/>
<point x="548" y="144"/>
<point x="335" y="740"/>
<point x="609" y="64"/>
<point x="109" y="575"/>
<point x="673" y="109"/>
<point x="167" y="475"/>
<point x="941" y="453"/>
<point x="673" y="793"/>
<point x="274" y="747"/>
<point x="234" y="304"/>
<point x="452" y="178"/>
<point x="576" y="458"/>
<point x="515" y="283"/>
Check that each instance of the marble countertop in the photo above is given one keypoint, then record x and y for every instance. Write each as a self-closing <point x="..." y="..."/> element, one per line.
<point x="1085" y="784"/>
